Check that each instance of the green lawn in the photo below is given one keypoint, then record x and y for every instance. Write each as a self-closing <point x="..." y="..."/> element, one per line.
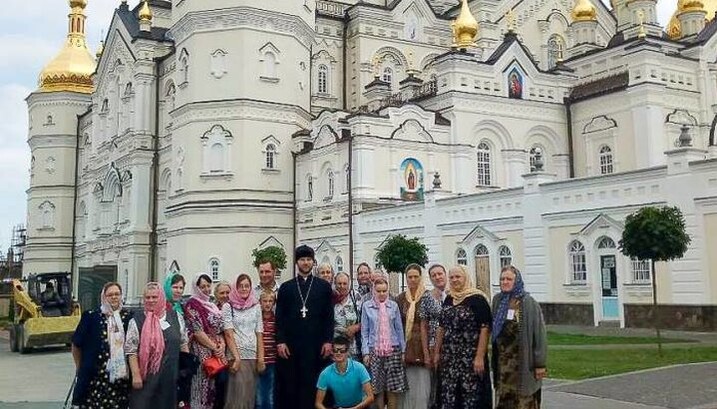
<point x="591" y="363"/>
<point x="555" y="338"/>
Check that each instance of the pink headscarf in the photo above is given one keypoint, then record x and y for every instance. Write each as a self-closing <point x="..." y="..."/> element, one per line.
<point x="383" y="344"/>
<point x="151" y="340"/>
<point x="202" y="298"/>
<point x="237" y="301"/>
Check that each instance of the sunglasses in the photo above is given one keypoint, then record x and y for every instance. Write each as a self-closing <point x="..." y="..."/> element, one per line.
<point x="340" y="350"/>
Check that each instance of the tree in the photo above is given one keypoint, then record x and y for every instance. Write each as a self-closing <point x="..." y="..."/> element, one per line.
<point x="398" y="252"/>
<point x="275" y="254"/>
<point x="655" y="234"/>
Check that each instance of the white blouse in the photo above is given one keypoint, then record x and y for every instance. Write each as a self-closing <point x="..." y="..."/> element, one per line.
<point x="246" y="324"/>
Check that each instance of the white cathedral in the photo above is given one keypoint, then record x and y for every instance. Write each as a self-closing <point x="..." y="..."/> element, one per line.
<point x="497" y="131"/>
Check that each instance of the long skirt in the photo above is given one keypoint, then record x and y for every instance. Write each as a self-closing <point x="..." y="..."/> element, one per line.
<point x="241" y="387"/>
<point x="388" y="373"/>
<point x="419" y="388"/>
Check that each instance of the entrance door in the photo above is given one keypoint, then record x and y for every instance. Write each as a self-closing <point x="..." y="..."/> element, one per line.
<point x="91" y="282"/>
<point x="609" y="287"/>
<point x="483" y="274"/>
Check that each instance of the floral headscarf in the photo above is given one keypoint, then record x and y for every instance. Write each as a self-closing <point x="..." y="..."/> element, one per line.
<point x="501" y="313"/>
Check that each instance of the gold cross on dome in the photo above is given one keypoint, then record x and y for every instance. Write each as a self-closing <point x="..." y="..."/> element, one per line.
<point x="510" y="20"/>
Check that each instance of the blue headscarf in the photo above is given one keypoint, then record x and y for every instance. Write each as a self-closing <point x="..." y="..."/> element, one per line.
<point x="501" y="314"/>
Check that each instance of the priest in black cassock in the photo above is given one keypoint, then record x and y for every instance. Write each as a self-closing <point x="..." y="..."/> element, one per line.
<point x="304" y="332"/>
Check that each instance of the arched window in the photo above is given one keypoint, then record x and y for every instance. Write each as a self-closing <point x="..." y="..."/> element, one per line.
<point x="556" y="45"/>
<point x="578" y="265"/>
<point x="269" y="64"/>
<point x="214" y="269"/>
<point x="606" y="160"/>
<point x="184" y="66"/>
<point x="216" y="145"/>
<point x="270" y="153"/>
<point x="537" y="159"/>
<point x="606" y="243"/>
<point x="330" y="184"/>
<point x="323" y="79"/>
<point x="481" y="251"/>
<point x="505" y="256"/>
<point x="339" y="264"/>
<point x="461" y="257"/>
<point x="309" y="188"/>
<point x="387" y="75"/>
<point x="47" y="215"/>
<point x="216" y="161"/>
<point x="483" y="157"/>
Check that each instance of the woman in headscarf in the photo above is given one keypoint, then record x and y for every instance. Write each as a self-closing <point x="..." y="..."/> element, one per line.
<point x="221" y="297"/>
<point x="173" y="290"/>
<point x="429" y="310"/>
<point x="154" y="338"/>
<point x="520" y="344"/>
<point x="462" y="345"/>
<point x="383" y="344"/>
<point x="346" y="312"/>
<point x="243" y="328"/>
<point x="204" y="322"/>
<point x="419" y="377"/>
<point x="98" y="352"/>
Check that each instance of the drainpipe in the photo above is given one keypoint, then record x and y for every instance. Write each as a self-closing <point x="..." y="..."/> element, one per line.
<point x="155" y="178"/>
<point x="343" y="64"/>
<point x="294" y="214"/>
<point x="351" y="208"/>
<point x="74" y="203"/>
<point x="569" y="119"/>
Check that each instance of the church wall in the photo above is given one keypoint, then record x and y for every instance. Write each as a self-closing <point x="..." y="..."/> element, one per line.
<point x="231" y="246"/>
<point x="710" y="234"/>
<point x="603" y="121"/>
<point x="588" y="210"/>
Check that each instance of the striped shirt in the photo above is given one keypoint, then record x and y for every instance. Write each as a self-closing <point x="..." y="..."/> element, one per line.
<point x="269" y="339"/>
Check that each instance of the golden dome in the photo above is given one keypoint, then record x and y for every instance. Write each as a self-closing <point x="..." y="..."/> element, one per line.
<point x="145" y="14"/>
<point x="674" y="30"/>
<point x="690" y="5"/>
<point x="72" y="68"/>
<point x="584" y="11"/>
<point x="465" y="28"/>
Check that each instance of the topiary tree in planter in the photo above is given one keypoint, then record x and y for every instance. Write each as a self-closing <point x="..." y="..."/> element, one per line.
<point x="398" y="252"/>
<point x="655" y="234"/>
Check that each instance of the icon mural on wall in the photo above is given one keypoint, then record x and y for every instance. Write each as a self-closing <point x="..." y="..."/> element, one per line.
<point x="515" y="84"/>
<point x="411" y="180"/>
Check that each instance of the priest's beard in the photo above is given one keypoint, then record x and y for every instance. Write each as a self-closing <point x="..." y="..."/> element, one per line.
<point x="302" y="272"/>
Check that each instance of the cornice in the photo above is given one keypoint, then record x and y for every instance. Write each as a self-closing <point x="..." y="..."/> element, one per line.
<point x="242" y="17"/>
<point x="241" y="109"/>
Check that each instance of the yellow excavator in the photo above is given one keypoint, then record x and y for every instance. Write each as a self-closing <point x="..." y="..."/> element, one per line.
<point x="45" y="313"/>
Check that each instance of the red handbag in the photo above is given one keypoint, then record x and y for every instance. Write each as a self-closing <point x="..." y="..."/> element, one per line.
<point x="212" y="366"/>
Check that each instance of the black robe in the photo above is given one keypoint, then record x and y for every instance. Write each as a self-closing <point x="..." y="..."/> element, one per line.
<point x="296" y="377"/>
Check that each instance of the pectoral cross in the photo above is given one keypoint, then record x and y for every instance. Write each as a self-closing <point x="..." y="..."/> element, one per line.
<point x="303" y="311"/>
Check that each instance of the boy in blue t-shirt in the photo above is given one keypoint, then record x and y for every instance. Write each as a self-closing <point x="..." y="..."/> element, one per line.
<point x="348" y="380"/>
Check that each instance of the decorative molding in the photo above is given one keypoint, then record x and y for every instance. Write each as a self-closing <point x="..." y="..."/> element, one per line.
<point x="599" y="123"/>
<point x="242" y="17"/>
<point x="681" y="117"/>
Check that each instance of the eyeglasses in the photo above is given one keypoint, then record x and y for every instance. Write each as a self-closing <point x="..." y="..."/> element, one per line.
<point x="340" y="350"/>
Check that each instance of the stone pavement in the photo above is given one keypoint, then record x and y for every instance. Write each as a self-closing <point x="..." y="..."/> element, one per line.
<point x="676" y="387"/>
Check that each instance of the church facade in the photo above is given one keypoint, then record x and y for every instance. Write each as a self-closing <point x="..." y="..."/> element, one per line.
<point x="497" y="132"/>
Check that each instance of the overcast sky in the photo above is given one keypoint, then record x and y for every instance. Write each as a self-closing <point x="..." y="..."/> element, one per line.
<point x="30" y="35"/>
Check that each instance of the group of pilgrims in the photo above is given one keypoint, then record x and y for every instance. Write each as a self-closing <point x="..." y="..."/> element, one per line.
<point x="235" y="345"/>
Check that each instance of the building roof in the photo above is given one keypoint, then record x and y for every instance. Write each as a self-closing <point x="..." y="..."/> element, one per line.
<point x="600" y="87"/>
